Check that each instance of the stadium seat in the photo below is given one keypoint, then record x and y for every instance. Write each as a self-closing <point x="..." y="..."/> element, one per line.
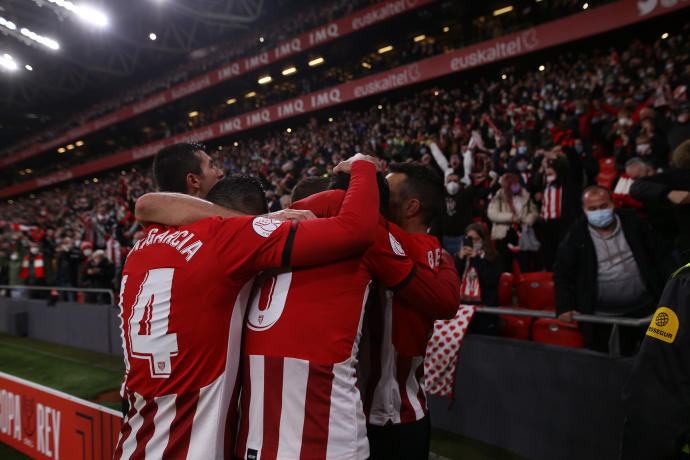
<point x="505" y="289"/>
<point x="607" y="172"/>
<point x="535" y="291"/>
<point x="606" y="164"/>
<point x="515" y="327"/>
<point x="553" y="331"/>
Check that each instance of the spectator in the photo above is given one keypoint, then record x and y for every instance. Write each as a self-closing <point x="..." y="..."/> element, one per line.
<point x="69" y="260"/>
<point x="670" y="193"/>
<point x="33" y="270"/>
<point x="481" y="270"/>
<point x="98" y="273"/>
<point x="608" y="264"/>
<point x="457" y="213"/>
<point x="558" y="204"/>
<point x="15" y="267"/>
<point x="512" y="211"/>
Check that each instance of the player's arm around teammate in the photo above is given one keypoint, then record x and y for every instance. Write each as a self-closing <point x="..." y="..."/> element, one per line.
<point x="657" y="396"/>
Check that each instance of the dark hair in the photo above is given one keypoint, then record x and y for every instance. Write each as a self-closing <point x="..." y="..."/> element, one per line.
<point x="342" y="181"/>
<point x="309" y="186"/>
<point x="424" y="184"/>
<point x="681" y="155"/>
<point x="487" y="244"/>
<point x="172" y="164"/>
<point x="597" y="187"/>
<point x="239" y="192"/>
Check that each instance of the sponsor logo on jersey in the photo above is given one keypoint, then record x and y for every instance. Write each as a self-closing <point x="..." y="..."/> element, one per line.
<point x="397" y="247"/>
<point x="664" y="325"/>
<point x="264" y="226"/>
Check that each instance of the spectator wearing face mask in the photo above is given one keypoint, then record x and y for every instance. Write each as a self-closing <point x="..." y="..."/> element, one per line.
<point x="608" y="264"/>
<point x="457" y="214"/>
<point x="511" y="211"/>
<point x="481" y="269"/>
<point x="69" y="258"/>
<point x="559" y="205"/>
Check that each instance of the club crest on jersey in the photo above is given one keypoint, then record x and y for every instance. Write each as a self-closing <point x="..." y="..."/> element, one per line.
<point x="161" y="365"/>
<point x="397" y="247"/>
<point x="264" y="226"/>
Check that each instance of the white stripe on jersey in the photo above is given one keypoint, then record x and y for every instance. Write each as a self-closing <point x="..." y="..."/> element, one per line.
<point x="294" y="394"/>
<point x="135" y="422"/>
<point x="412" y="387"/>
<point x="386" y="396"/>
<point x="165" y="414"/>
<point x="255" y="435"/>
<point x="347" y="411"/>
<point x="206" y="427"/>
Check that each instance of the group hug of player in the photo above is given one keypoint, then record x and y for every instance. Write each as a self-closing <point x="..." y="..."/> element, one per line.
<point x="294" y="335"/>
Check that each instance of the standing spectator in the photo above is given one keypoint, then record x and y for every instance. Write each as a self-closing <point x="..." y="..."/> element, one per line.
<point x="14" y="270"/>
<point x="33" y="270"/>
<point x="511" y="210"/>
<point x="98" y="273"/>
<point x="68" y="261"/>
<point x="457" y="214"/>
<point x="481" y="270"/>
<point x="670" y="191"/>
<point x="608" y="264"/>
<point x="558" y="204"/>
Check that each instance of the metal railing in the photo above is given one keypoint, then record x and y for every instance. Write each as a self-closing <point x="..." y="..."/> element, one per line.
<point x="20" y="287"/>
<point x="621" y="321"/>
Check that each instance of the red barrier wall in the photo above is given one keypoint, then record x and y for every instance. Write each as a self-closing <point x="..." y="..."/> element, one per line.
<point x="47" y="424"/>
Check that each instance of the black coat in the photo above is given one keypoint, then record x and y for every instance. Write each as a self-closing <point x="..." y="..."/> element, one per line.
<point x="576" y="265"/>
<point x="653" y="191"/>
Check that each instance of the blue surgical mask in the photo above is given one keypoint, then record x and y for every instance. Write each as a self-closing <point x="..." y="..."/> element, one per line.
<point x="522" y="149"/>
<point x="578" y="148"/>
<point x="600" y="218"/>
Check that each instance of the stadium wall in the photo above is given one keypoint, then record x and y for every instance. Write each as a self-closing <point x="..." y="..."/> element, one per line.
<point x="541" y="401"/>
<point x="81" y="325"/>
<point x="589" y="23"/>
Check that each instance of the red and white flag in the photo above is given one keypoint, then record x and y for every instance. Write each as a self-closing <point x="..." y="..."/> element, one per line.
<point x="442" y="352"/>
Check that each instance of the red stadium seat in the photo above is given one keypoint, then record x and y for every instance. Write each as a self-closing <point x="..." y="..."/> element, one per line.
<point x="606" y="178"/>
<point x="547" y="330"/>
<point x="514" y="327"/>
<point x="505" y="289"/>
<point x="535" y="291"/>
<point x="606" y="164"/>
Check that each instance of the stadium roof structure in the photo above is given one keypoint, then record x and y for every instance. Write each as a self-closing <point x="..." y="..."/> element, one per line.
<point x="60" y="55"/>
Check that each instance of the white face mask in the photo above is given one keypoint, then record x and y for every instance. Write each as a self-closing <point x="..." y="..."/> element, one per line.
<point x="452" y="188"/>
<point x="550" y="178"/>
<point x="33" y="251"/>
<point x="14" y="256"/>
<point x="477" y="246"/>
<point x="88" y="252"/>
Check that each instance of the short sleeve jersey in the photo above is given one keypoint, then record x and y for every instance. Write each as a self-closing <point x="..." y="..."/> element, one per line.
<point x="299" y="396"/>
<point x="183" y="297"/>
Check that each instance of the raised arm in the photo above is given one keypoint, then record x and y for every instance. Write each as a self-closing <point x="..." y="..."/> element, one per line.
<point x="352" y="231"/>
<point x="176" y="209"/>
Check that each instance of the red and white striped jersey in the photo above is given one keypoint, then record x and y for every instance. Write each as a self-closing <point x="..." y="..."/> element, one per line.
<point x="299" y="395"/>
<point x="551" y="203"/>
<point x="400" y="332"/>
<point x="183" y="298"/>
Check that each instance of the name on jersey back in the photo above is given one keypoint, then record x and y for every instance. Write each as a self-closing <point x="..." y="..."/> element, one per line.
<point x="182" y="240"/>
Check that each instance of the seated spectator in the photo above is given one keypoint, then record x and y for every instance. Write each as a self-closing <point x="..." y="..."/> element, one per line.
<point x="511" y="211"/>
<point x="669" y="193"/>
<point x="609" y="265"/>
<point x="480" y="271"/>
<point x="635" y="168"/>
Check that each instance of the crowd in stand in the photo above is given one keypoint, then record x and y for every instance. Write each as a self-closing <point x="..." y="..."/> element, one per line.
<point x="516" y="154"/>
<point x="288" y="26"/>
